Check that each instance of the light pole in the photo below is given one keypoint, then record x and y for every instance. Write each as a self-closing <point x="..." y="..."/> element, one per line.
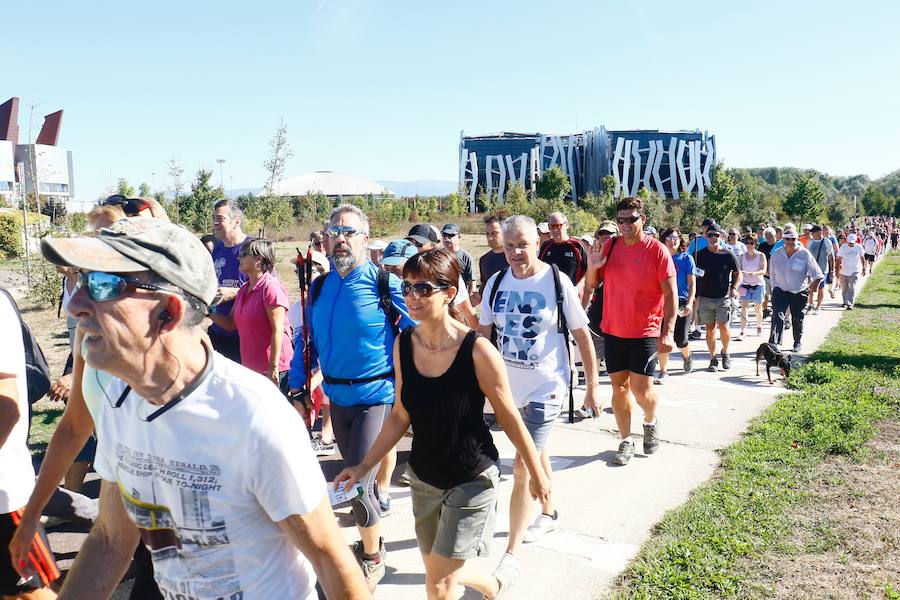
<point x="221" y="162"/>
<point x="153" y="175"/>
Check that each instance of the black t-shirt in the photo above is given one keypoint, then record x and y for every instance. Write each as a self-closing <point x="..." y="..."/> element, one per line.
<point x="717" y="268"/>
<point x="491" y="262"/>
<point x="766" y="249"/>
<point x="569" y="256"/>
<point x="465" y="265"/>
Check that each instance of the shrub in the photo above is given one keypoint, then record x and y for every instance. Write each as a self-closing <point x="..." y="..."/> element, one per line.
<point x="10" y="236"/>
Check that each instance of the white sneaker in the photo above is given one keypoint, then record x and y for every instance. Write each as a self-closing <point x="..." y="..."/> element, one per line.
<point x="507" y="574"/>
<point x="542" y="525"/>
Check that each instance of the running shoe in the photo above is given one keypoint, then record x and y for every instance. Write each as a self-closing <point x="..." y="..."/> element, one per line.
<point x="321" y="448"/>
<point x="661" y="378"/>
<point x="797" y="347"/>
<point x="713" y="365"/>
<point x="507" y="574"/>
<point x="384" y="503"/>
<point x="695" y="335"/>
<point x="815" y="311"/>
<point x="543" y="525"/>
<point x="740" y="336"/>
<point x="373" y="569"/>
<point x="832" y="294"/>
<point x="585" y="413"/>
<point x="726" y="361"/>
<point x="849" y="307"/>
<point x="688" y="365"/>
<point x="651" y="437"/>
<point x="626" y="451"/>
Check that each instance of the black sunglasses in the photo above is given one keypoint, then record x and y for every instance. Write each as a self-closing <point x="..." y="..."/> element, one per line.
<point x="130" y="206"/>
<point x="623" y="220"/>
<point x="422" y="289"/>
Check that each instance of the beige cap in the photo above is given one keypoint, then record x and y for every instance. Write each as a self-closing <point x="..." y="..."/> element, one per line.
<point x="141" y="244"/>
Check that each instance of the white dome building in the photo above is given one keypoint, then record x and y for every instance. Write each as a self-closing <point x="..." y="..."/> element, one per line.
<point x="331" y="184"/>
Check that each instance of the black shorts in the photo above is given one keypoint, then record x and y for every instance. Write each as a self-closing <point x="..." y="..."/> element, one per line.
<point x="870" y="257"/>
<point x="228" y="345"/>
<point x="681" y="332"/>
<point x="41" y="566"/>
<point x="637" y="355"/>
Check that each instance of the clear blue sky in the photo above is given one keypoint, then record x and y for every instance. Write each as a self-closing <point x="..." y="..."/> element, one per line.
<point x="382" y="88"/>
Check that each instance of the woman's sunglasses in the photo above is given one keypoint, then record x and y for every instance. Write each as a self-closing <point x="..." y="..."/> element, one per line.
<point x="109" y="286"/>
<point x="422" y="289"/>
<point x="132" y="207"/>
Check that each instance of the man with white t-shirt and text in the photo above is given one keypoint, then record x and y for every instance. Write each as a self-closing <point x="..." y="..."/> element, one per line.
<point x="850" y="261"/>
<point x="200" y="457"/>
<point x="522" y="302"/>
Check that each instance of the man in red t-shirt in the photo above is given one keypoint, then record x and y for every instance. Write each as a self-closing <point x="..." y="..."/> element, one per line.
<point x="640" y="301"/>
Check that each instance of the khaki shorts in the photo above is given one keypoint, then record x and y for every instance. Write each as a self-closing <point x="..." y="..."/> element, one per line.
<point x="714" y="310"/>
<point x="457" y="523"/>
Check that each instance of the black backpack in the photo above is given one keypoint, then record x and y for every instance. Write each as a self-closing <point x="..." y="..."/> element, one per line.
<point x="37" y="371"/>
<point x="561" y="325"/>
<point x="385" y="301"/>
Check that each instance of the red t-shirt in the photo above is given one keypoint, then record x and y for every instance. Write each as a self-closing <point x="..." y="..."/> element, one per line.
<point x="632" y="298"/>
<point x="253" y="326"/>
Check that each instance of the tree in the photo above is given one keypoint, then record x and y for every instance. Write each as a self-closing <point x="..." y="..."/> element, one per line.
<point x="274" y="212"/>
<point x="195" y="209"/>
<point x="654" y="207"/>
<point x="553" y="184"/>
<point x="55" y="208"/>
<point x="144" y="190"/>
<point x="176" y="173"/>
<point x="876" y="202"/>
<point x="722" y="197"/>
<point x="839" y="210"/>
<point x="805" y="201"/>
<point x="124" y="188"/>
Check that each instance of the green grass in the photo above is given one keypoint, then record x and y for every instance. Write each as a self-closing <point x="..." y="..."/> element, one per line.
<point x="849" y="385"/>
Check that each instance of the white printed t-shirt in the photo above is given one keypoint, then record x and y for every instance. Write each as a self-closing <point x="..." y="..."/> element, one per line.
<point x="524" y="312"/>
<point x="850" y="256"/>
<point x="16" y="472"/>
<point x="207" y="480"/>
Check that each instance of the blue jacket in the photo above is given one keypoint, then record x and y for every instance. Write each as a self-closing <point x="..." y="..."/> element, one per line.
<point x="351" y="337"/>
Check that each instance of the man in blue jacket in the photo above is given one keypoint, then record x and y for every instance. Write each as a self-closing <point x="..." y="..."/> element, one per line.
<point x="354" y="342"/>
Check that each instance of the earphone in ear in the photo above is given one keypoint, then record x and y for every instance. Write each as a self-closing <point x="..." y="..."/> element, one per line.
<point x="164" y="316"/>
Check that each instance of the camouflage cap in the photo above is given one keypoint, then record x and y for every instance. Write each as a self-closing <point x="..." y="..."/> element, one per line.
<point x="141" y="244"/>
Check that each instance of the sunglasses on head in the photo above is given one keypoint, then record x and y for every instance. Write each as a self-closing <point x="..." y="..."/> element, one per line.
<point x="109" y="286"/>
<point x="633" y="219"/>
<point x="130" y="206"/>
<point x="337" y="230"/>
<point x="422" y="289"/>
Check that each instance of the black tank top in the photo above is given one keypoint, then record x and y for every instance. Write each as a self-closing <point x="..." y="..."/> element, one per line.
<point x="451" y="442"/>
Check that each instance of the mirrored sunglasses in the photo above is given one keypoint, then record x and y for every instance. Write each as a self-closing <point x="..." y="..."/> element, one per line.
<point x="109" y="286"/>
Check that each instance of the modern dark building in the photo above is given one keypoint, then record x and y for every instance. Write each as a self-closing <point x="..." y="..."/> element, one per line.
<point x="668" y="162"/>
<point x="41" y="165"/>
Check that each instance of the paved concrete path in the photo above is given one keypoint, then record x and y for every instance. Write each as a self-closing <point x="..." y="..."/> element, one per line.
<point x="606" y="511"/>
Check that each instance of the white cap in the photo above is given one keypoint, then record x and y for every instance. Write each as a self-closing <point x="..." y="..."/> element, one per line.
<point x="851" y="239"/>
<point x="544" y="227"/>
<point x="377" y="245"/>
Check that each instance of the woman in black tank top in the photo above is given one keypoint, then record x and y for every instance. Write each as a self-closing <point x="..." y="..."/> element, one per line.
<point x="443" y="372"/>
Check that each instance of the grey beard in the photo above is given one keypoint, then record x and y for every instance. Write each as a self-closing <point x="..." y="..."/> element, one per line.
<point x="345" y="263"/>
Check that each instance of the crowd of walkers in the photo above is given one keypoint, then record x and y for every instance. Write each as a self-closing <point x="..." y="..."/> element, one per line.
<point x="210" y="483"/>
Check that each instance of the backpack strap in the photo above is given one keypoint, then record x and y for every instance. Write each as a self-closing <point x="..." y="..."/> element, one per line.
<point x="561" y="325"/>
<point x="383" y="283"/>
<point x="496" y="286"/>
<point x="315" y="288"/>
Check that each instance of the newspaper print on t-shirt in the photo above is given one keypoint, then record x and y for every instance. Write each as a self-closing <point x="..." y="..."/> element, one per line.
<point x="200" y="544"/>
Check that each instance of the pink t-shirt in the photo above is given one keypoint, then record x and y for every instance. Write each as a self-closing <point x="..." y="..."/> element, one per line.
<point x="632" y="298"/>
<point x="252" y="323"/>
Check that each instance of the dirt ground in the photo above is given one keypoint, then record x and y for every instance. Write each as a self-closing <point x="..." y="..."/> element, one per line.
<point x="846" y="543"/>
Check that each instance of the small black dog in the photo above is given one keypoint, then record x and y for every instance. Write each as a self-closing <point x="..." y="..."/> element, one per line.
<point x="773" y="356"/>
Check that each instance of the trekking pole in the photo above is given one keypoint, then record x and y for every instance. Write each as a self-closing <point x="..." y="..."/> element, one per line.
<point x="304" y="331"/>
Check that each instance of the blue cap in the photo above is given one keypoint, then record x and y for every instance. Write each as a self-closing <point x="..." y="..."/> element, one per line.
<point x="397" y="252"/>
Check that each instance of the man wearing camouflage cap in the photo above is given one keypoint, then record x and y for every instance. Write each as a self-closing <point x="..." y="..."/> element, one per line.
<point x="183" y="433"/>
